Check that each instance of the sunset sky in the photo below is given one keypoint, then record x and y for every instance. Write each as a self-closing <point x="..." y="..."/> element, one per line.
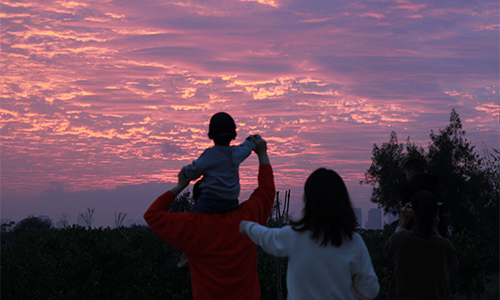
<point x="102" y="102"/>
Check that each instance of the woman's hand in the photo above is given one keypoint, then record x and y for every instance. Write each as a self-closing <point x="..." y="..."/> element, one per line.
<point x="243" y="224"/>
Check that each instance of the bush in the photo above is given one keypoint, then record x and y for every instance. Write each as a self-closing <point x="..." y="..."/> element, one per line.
<point x="375" y="240"/>
<point x="77" y="263"/>
<point x="471" y="277"/>
<point x="81" y="263"/>
<point x="40" y="262"/>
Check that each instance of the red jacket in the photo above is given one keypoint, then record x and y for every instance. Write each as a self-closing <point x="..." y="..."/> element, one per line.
<point x="223" y="263"/>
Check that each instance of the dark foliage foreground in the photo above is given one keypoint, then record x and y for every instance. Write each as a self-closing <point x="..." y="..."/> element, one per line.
<point x="41" y="262"/>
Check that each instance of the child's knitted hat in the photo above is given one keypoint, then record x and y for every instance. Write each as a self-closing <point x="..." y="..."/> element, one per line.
<point x="222" y="126"/>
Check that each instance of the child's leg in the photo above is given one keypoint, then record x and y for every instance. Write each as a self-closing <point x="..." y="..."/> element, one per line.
<point x="209" y="203"/>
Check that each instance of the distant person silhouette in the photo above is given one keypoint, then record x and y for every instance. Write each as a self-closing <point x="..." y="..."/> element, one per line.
<point x="419" y="180"/>
<point x="423" y="259"/>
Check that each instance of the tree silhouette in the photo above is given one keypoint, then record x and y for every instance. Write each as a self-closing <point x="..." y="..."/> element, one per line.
<point x="469" y="183"/>
<point x="386" y="174"/>
<point x="88" y="217"/>
<point x="278" y="218"/>
<point x="468" y="190"/>
<point x="64" y="219"/>
<point x="183" y="203"/>
<point x="119" y="218"/>
<point x="32" y="224"/>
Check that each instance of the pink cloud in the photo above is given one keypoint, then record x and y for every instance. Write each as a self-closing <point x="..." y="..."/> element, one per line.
<point x="372" y="15"/>
<point x="101" y="96"/>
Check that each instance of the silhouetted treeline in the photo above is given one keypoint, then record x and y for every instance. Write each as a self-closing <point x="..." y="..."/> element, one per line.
<point x="42" y="262"/>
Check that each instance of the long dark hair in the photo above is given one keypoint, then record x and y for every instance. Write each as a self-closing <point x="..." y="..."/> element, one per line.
<point x="425" y="206"/>
<point x="328" y="212"/>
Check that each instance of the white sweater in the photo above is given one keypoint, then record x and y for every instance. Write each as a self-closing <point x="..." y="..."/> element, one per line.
<point x="316" y="272"/>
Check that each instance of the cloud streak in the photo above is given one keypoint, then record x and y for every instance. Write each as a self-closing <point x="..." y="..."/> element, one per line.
<point x="104" y="94"/>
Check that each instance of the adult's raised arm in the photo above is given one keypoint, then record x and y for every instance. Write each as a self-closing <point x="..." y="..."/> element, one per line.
<point x="157" y="214"/>
<point x="258" y="207"/>
<point x="260" y="149"/>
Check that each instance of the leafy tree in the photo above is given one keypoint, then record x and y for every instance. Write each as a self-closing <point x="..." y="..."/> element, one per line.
<point x="386" y="173"/>
<point x="32" y="224"/>
<point x="465" y="188"/>
<point x="469" y="186"/>
<point x="5" y="227"/>
<point x="6" y="232"/>
<point x="488" y="215"/>
<point x="183" y="203"/>
<point x="492" y="169"/>
<point x="470" y="279"/>
<point x="375" y="240"/>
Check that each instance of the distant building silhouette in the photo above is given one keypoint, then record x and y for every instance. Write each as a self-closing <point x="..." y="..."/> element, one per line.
<point x="359" y="216"/>
<point x="374" y="219"/>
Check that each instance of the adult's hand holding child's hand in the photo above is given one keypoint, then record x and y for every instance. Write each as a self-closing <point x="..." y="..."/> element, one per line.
<point x="260" y="144"/>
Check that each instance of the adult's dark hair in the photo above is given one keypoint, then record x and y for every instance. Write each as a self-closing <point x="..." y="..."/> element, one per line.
<point x="415" y="164"/>
<point x="222" y="129"/>
<point x="328" y="212"/>
<point x="425" y="207"/>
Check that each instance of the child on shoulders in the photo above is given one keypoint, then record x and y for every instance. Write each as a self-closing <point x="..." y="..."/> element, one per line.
<point x="219" y="166"/>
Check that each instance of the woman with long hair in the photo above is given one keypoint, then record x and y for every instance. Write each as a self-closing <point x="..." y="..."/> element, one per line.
<point x="327" y="259"/>
<point x="423" y="259"/>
